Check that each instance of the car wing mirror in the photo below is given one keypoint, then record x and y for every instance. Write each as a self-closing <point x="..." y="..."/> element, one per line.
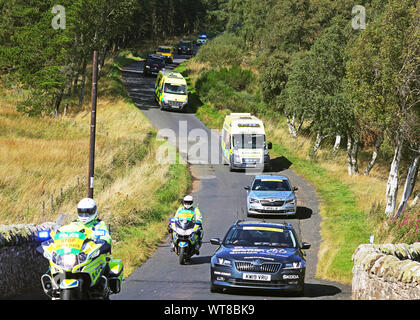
<point x="247" y="188"/>
<point x="305" y="245"/>
<point x="215" y="241"/>
<point x="270" y="145"/>
<point x="295" y="188"/>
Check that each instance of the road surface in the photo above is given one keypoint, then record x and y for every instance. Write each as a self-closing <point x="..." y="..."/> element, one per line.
<point x="221" y="198"/>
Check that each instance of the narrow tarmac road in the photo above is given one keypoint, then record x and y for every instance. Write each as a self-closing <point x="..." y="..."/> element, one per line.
<point x="221" y="198"/>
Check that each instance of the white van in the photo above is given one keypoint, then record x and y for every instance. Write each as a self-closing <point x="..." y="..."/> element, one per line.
<point x="243" y="142"/>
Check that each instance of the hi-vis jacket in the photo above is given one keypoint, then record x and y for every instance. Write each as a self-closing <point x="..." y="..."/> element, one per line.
<point x="99" y="228"/>
<point x="193" y="214"/>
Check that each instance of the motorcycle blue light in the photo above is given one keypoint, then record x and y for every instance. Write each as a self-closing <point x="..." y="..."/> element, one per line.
<point x="43" y="235"/>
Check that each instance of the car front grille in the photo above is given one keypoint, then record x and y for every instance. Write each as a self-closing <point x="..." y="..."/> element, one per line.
<point x="262" y="284"/>
<point x="246" y="266"/>
<point x="268" y="203"/>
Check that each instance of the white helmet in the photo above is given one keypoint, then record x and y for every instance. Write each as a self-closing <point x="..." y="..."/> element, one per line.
<point x="188" y="201"/>
<point x="87" y="210"/>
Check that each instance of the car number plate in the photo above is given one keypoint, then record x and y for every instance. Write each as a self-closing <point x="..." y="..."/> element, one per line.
<point x="256" y="276"/>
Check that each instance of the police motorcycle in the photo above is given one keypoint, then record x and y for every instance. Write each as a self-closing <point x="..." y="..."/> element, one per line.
<point x="185" y="238"/>
<point x="79" y="266"/>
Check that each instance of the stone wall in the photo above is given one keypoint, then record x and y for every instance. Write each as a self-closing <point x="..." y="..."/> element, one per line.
<point x="21" y="266"/>
<point x="386" y="272"/>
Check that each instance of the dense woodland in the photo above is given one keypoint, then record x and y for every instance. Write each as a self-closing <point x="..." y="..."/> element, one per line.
<point x="50" y="61"/>
<point x="358" y="85"/>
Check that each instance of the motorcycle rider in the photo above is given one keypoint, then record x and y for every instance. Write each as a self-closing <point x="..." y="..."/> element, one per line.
<point x="87" y="213"/>
<point x="196" y="217"/>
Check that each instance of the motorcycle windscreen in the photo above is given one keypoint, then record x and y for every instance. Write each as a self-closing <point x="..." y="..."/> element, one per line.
<point x="185" y="215"/>
<point x="69" y="242"/>
<point x="184" y="224"/>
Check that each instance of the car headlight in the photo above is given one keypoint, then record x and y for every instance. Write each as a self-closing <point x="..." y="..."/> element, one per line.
<point x="165" y="100"/>
<point x="265" y="152"/>
<point x="292" y="201"/>
<point x="236" y="157"/>
<point x="223" y="262"/>
<point x="253" y="200"/>
<point x="148" y="67"/>
<point x="293" y="265"/>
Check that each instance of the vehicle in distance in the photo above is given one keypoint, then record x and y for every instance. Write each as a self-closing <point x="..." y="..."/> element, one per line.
<point x="271" y="194"/>
<point x="167" y="52"/>
<point x="185" y="47"/>
<point x="259" y="255"/>
<point x="243" y="142"/>
<point x="202" y="39"/>
<point x="153" y="64"/>
<point x="171" y="90"/>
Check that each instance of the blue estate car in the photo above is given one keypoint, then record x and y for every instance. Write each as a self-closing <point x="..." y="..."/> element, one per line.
<point x="259" y="255"/>
<point x="271" y="194"/>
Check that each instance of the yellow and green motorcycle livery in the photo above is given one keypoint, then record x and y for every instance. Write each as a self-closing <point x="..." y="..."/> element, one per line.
<point x="184" y="236"/>
<point x="80" y="267"/>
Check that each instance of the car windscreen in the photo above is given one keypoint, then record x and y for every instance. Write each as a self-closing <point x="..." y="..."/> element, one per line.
<point x="271" y="185"/>
<point x="154" y="61"/>
<point x="185" y="44"/>
<point x="256" y="236"/>
<point x="175" y="89"/>
<point x="248" y="141"/>
<point x="164" y="50"/>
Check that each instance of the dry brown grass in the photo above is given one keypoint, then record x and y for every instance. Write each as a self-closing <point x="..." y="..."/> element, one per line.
<point x="45" y="160"/>
<point x="194" y="68"/>
<point x="40" y="158"/>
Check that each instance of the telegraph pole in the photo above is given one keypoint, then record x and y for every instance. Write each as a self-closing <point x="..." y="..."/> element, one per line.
<point x="93" y="125"/>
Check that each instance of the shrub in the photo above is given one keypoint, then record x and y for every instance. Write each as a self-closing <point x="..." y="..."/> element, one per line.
<point x="228" y="89"/>
<point x="224" y="50"/>
<point x="403" y="229"/>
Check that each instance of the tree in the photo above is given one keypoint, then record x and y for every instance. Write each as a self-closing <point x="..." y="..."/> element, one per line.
<point x="314" y="88"/>
<point x="383" y="75"/>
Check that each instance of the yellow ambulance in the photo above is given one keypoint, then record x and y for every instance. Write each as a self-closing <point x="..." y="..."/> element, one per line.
<point x="171" y="90"/>
<point x="243" y="142"/>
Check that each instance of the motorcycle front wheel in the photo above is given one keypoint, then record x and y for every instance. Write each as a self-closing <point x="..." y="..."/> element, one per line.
<point x="182" y="255"/>
<point x="69" y="294"/>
